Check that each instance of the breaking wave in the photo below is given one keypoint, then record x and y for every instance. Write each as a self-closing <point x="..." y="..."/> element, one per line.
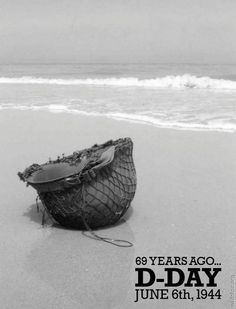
<point x="179" y="82"/>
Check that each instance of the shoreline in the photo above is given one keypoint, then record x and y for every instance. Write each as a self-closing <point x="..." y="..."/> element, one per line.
<point x="184" y="205"/>
<point x="147" y="120"/>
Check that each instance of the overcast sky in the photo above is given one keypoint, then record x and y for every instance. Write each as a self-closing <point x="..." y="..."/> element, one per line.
<point x="118" y="31"/>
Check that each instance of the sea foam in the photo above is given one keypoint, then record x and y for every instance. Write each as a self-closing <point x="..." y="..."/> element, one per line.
<point x="177" y="82"/>
<point x="213" y="125"/>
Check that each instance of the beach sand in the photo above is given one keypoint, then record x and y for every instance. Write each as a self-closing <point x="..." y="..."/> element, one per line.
<point x="184" y="206"/>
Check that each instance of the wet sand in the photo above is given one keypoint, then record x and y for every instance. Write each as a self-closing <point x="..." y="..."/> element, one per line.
<point x="184" y="206"/>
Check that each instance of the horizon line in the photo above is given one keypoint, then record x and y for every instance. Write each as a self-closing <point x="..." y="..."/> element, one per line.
<point x="115" y="63"/>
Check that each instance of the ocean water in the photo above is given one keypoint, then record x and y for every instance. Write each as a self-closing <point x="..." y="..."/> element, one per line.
<point x="183" y="96"/>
